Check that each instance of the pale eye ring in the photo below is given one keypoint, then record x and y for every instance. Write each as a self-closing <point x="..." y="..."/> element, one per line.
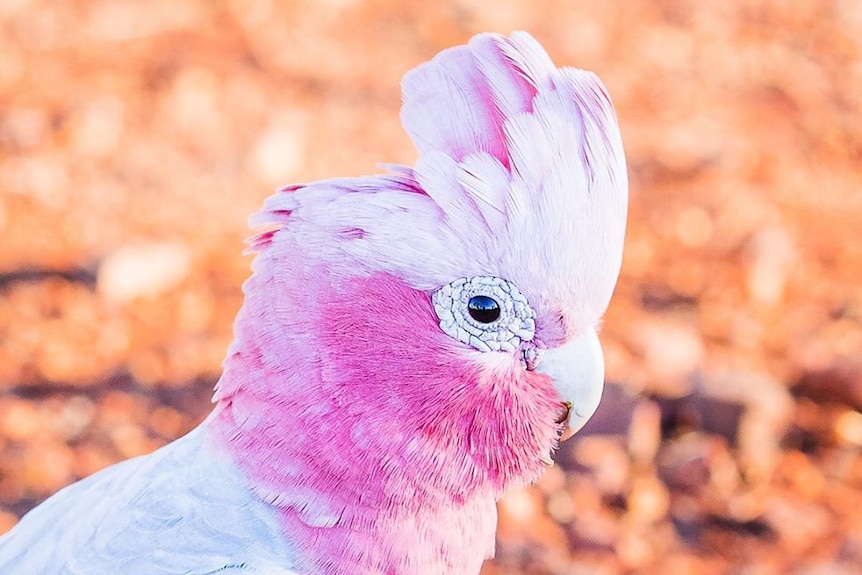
<point x="485" y="312"/>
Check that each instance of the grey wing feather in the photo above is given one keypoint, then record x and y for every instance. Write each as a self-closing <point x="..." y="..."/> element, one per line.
<point x="180" y="510"/>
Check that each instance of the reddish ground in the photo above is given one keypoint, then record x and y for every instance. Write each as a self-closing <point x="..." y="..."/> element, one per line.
<point x="135" y="138"/>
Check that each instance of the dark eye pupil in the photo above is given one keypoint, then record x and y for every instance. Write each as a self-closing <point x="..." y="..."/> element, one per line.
<point x="483" y="309"/>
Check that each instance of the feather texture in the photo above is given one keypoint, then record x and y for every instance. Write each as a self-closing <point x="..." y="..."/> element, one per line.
<point x="351" y="435"/>
<point x="521" y="165"/>
<point x="183" y="509"/>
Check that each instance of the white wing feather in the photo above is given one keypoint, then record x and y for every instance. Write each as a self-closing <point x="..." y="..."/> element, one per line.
<point x="180" y="510"/>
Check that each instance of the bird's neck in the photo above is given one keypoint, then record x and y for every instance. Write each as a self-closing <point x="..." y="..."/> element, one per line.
<point x="452" y="539"/>
<point x="358" y="519"/>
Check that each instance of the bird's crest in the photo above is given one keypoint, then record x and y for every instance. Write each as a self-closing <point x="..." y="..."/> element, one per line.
<point x="521" y="174"/>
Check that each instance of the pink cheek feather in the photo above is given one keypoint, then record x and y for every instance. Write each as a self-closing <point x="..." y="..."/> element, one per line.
<point x="466" y="418"/>
<point x="344" y="403"/>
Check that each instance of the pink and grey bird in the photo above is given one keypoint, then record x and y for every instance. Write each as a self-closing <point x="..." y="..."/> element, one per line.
<point x="411" y="344"/>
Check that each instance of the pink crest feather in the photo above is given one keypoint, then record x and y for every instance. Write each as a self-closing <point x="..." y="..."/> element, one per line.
<point x="521" y="166"/>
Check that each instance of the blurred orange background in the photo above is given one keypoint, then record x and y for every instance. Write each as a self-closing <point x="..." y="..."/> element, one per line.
<point x="136" y="138"/>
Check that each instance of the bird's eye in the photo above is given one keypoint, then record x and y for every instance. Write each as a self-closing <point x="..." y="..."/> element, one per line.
<point x="483" y="309"/>
<point x="487" y="313"/>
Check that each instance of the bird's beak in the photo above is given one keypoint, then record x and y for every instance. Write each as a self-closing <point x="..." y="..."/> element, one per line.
<point x="578" y="371"/>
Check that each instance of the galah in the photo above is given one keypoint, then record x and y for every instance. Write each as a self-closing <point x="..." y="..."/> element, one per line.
<point x="410" y="345"/>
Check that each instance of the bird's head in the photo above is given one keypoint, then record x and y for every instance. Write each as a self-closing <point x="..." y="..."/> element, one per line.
<point x="442" y="318"/>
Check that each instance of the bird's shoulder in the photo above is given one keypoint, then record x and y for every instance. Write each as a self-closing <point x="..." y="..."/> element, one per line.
<point x="181" y="509"/>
